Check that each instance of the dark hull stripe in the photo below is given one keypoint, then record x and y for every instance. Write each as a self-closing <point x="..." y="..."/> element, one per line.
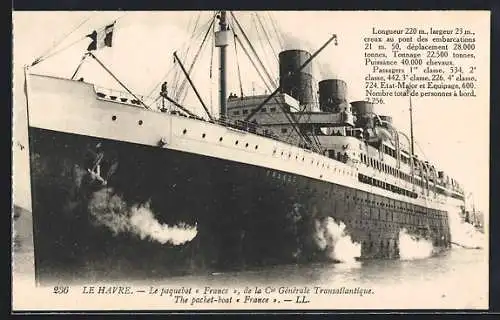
<point x="244" y="215"/>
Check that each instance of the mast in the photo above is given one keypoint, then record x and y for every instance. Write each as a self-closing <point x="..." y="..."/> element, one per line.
<point x="221" y="41"/>
<point x="411" y="130"/>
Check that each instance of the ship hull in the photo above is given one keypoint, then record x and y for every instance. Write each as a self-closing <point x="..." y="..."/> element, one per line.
<point x="244" y="215"/>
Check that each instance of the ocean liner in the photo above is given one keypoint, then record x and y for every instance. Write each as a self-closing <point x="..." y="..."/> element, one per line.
<point x="119" y="185"/>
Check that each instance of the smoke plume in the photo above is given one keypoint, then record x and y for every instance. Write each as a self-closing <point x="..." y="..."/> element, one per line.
<point x="326" y="71"/>
<point x="411" y="247"/>
<point x="110" y="210"/>
<point x="331" y="238"/>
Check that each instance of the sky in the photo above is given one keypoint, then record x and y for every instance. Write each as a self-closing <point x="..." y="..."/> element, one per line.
<point x="453" y="133"/>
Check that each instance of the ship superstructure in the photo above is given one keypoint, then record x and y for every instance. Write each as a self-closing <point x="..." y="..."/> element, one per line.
<point x="351" y="133"/>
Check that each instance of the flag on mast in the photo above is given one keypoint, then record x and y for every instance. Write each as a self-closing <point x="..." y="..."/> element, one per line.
<point x="102" y="38"/>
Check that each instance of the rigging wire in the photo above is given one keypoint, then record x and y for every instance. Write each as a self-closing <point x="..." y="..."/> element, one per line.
<point x="85" y="55"/>
<point x="266" y="35"/>
<point x="38" y="60"/>
<point x="252" y="48"/>
<point x="260" y="42"/>
<point x="44" y="56"/>
<point x="195" y="59"/>
<point x="117" y="80"/>
<point x="253" y="62"/>
<point x="288" y="116"/>
<point x="157" y="84"/>
<point x="302" y="111"/>
<point x="207" y="27"/>
<point x="185" y="50"/>
<point x="421" y="149"/>
<point x="154" y="101"/>
<point x="238" y="65"/>
<point x="173" y="68"/>
<point x="294" y="123"/>
<point x="47" y="56"/>
<point x="186" y="74"/>
<point x="212" y="50"/>
<point x="278" y="34"/>
<point x="211" y="66"/>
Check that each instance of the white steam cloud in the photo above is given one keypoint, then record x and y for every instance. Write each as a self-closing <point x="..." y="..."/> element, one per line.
<point x="464" y="234"/>
<point x="294" y="43"/>
<point x="146" y="226"/>
<point x="411" y="247"/>
<point x="111" y="211"/>
<point x="332" y="238"/>
<point x="326" y="71"/>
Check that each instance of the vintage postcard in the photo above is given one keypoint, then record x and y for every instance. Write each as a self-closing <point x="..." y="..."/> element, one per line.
<point x="250" y="160"/>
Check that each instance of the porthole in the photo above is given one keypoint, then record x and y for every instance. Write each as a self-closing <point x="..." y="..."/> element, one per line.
<point x="220" y="139"/>
<point x="184" y="131"/>
<point x="246" y="145"/>
<point x="140" y="122"/>
<point x="256" y="147"/>
<point x="203" y="135"/>
<point x="236" y="142"/>
<point x="113" y="118"/>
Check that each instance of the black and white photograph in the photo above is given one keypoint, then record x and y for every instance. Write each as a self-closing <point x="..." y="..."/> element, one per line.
<point x="246" y="160"/>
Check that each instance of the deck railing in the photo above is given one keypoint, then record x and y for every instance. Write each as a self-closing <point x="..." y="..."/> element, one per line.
<point x="125" y="97"/>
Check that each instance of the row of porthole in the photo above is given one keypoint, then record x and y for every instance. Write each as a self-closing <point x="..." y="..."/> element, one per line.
<point x="380" y="223"/>
<point x="373" y="202"/>
<point x="274" y="152"/>
<point x="317" y="163"/>
<point x="388" y="205"/>
<point x="369" y="245"/>
<point x="203" y="135"/>
<point x="394" y="223"/>
<point x="390" y="222"/>
<point x="379" y="203"/>
<point x="356" y="199"/>
<point x="407" y="217"/>
<point x="375" y="222"/>
<point x="140" y="122"/>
